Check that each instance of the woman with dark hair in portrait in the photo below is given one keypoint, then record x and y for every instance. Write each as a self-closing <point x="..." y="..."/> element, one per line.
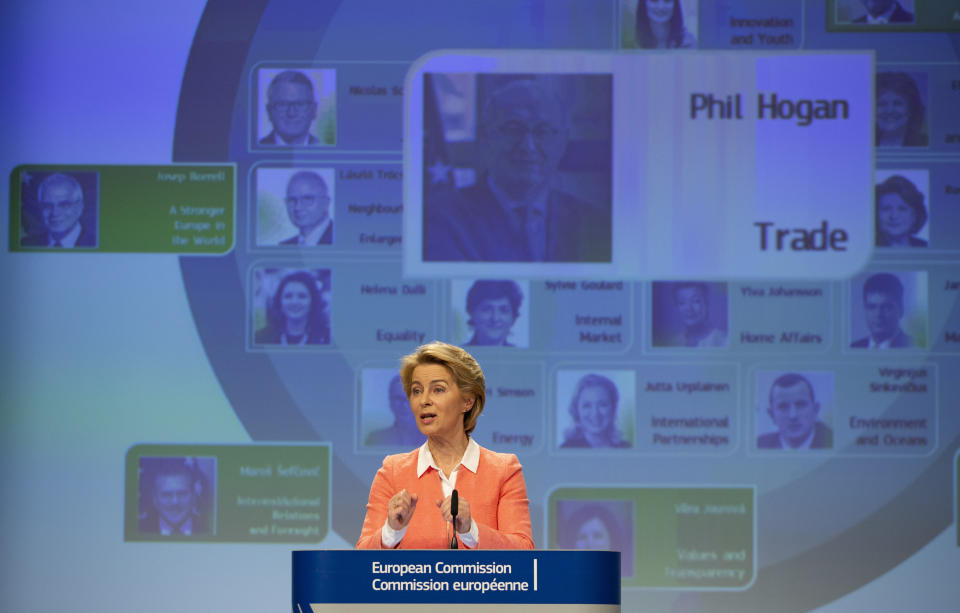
<point x="594" y="526"/>
<point x="901" y="114"/>
<point x="493" y="307"/>
<point x="594" y="412"/>
<point x="411" y="499"/>
<point x="660" y="25"/>
<point x="900" y="213"/>
<point x="296" y="314"/>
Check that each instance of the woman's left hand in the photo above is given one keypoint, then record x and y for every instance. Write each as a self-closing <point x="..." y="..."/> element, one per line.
<point x="463" y="513"/>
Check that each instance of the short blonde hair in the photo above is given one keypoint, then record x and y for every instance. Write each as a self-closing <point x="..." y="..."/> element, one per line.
<point x="466" y="372"/>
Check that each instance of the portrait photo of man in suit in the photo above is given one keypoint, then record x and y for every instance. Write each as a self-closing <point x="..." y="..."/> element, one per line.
<point x="290" y="112"/>
<point x="62" y="215"/>
<point x="308" y="207"/>
<point x="882" y="312"/>
<point x="176" y="496"/>
<point x="794" y="410"/>
<point x="403" y="431"/>
<point x="294" y="206"/>
<point x="515" y="210"/>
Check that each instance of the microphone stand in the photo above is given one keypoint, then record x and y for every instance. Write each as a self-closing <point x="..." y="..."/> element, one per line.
<point x="454" y="503"/>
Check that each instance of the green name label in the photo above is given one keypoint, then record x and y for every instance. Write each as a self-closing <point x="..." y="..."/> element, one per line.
<point x="228" y="493"/>
<point x="669" y="537"/>
<point x="186" y="209"/>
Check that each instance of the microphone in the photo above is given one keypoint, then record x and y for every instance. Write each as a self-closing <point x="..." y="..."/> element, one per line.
<point x="454" y="503"/>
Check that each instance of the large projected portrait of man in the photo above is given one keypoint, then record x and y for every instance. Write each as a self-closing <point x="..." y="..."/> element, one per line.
<point x="514" y="210"/>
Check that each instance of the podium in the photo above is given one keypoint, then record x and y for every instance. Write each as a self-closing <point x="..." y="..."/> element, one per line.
<point x="415" y="580"/>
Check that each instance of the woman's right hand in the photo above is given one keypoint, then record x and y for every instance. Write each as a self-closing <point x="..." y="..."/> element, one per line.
<point x="400" y="509"/>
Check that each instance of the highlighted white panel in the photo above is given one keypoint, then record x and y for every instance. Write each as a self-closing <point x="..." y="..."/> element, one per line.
<point x="638" y="166"/>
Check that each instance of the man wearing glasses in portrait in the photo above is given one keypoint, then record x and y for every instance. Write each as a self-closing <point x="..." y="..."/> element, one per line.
<point x="291" y="108"/>
<point x="59" y="206"/>
<point x="514" y="212"/>
<point x="308" y="207"/>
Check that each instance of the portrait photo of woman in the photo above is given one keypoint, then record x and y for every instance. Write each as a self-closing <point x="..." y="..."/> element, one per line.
<point x="294" y="312"/>
<point x="594" y="421"/>
<point x="597" y="525"/>
<point x="659" y="24"/>
<point x="901" y="111"/>
<point x="491" y="312"/>
<point x="901" y="213"/>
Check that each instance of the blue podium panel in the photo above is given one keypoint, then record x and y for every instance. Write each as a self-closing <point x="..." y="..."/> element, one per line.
<point x="395" y="580"/>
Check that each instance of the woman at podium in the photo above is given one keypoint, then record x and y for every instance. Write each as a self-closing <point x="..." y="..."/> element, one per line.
<point x="413" y="495"/>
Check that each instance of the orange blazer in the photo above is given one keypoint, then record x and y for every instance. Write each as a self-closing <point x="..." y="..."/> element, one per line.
<point x="497" y="495"/>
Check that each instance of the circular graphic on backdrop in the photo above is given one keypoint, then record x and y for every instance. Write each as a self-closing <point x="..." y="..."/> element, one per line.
<point x="810" y="521"/>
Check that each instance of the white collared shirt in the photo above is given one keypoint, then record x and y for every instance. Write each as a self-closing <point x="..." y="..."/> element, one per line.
<point x="882" y="19"/>
<point x="313" y="237"/>
<point x="69" y="239"/>
<point x="186" y="528"/>
<point x="471" y="461"/>
<point x="509" y="205"/>
<point x="534" y="226"/>
<point x="804" y="445"/>
<point x="299" y="141"/>
<point x="884" y="344"/>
